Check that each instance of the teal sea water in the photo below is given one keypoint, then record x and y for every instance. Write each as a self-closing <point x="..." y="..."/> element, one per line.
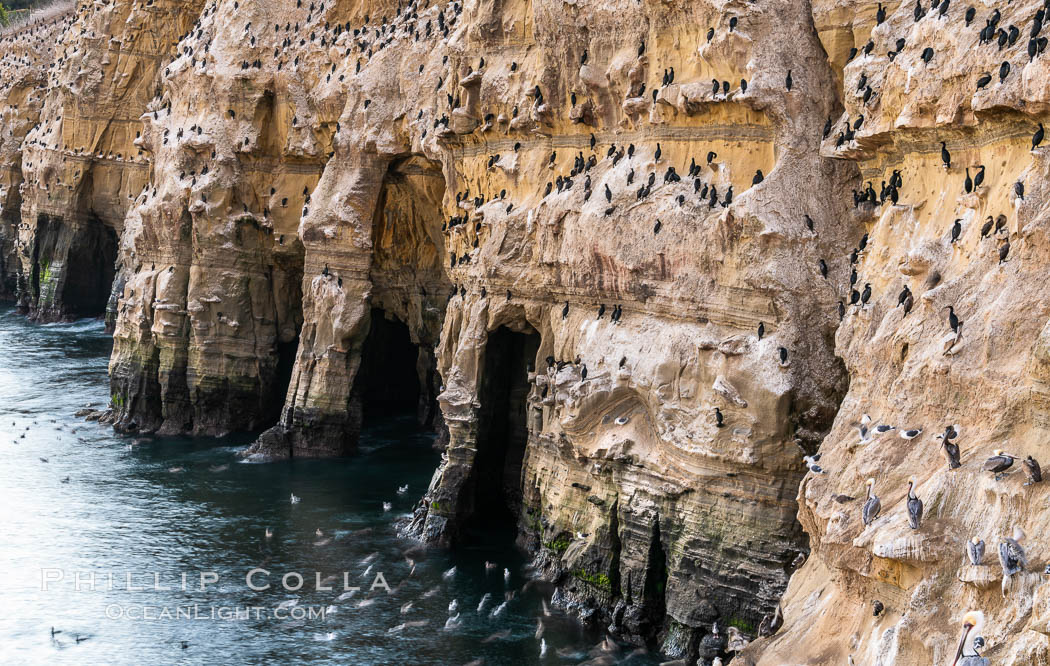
<point x="109" y="506"/>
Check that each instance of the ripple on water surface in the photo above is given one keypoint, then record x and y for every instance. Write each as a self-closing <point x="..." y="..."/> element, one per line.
<point x="175" y="506"/>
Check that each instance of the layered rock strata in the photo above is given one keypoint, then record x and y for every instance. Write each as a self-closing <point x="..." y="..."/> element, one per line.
<point x="555" y="232"/>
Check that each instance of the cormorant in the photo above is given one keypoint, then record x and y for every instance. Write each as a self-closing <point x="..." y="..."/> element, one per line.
<point x="719" y="419"/>
<point x="788" y="81"/>
<point x="978" y="178"/>
<point x="565" y="310"/>
<point x="866" y="294"/>
<point x="1037" y="138"/>
<point x="956" y="230"/>
<point x="1004" y="71"/>
<point x="761" y="330"/>
<point x="659" y="152"/>
<point x="968" y="183"/>
<point x="987" y="227"/>
<point x="1004" y="250"/>
<point x="984" y="80"/>
<point x="953" y="319"/>
<point x="1019" y="190"/>
<point x="946" y="157"/>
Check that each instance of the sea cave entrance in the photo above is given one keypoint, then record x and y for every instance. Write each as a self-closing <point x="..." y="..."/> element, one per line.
<point x="88" y="250"/>
<point x="397" y="377"/>
<point x="502" y="428"/>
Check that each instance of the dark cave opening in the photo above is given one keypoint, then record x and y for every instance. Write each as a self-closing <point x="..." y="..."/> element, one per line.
<point x="89" y="252"/>
<point x="502" y="428"/>
<point x="394" y="371"/>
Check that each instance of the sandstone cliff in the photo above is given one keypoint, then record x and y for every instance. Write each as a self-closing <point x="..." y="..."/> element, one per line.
<point x="603" y="249"/>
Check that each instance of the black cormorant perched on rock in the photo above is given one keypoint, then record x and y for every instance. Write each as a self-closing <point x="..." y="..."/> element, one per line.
<point x="758" y="177"/>
<point x="956" y="229"/>
<point x="1004" y="250"/>
<point x="968" y="183"/>
<point x="986" y="228"/>
<point x="823" y="268"/>
<point x="978" y="178"/>
<point x="788" y="82"/>
<point x="565" y="310"/>
<point x="1037" y="138"/>
<point x="659" y="152"/>
<point x="984" y="80"/>
<point x="719" y="419"/>
<point x="601" y="310"/>
<point x="946" y="157"/>
<point x="866" y="294"/>
<point x="927" y="55"/>
<point x="761" y="329"/>
<point x="1019" y="190"/>
<point x="953" y="319"/>
<point x="1004" y="71"/>
<point x="880" y="15"/>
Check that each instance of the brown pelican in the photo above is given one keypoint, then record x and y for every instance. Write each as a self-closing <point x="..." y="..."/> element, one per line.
<point x="914" y="506"/>
<point x="1031" y="468"/>
<point x="1011" y="555"/>
<point x="999" y="463"/>
<point x="771" y="624"/>
<point x="872" y="506"/>
<point x="975" y="549"/>
<point x="966" y="655"/>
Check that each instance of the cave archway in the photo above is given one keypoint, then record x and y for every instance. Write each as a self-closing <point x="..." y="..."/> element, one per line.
<point x="394" y="373"/>
<point x="503" y="432"/>
<point x="87" y="249"/>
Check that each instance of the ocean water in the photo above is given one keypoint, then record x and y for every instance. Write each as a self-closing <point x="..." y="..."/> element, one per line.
<point x="108" y="540"/>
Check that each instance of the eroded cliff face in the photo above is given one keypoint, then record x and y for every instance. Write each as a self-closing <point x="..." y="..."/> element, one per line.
<point x="909" y="369"/>
<point x="542" y="226"/>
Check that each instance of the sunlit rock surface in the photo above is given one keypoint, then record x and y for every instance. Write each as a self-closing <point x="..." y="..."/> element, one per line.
<point x="285" y="208"/>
